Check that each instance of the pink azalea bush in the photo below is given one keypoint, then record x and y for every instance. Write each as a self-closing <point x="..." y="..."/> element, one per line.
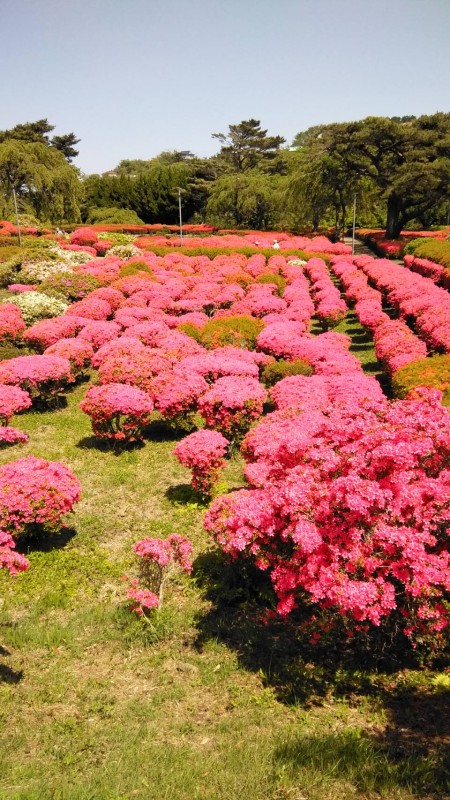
<point x="77" y="351"/>
<point x="118" y="412"/>
<point x="203" y="452"/>
<point x="353" y="517"/>
<point x="232" y="404"/>
<point x="176" y="397"/>
<point x="159" y="560"/>
<point x="11" y="436"/>
<point x="34" y="491"/>
<point x="12" y="324"/>
<point x="12" y="400"/>
<point x="44" y="377"/>
<point x="9" y="559"/>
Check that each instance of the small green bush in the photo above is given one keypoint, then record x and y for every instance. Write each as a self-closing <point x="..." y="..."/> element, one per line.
<point x="273" y="373"/>
<point x="69" y="285"/>
<point x="432" y="372"/>
<point x="278" y="280"/>
<point x="434" y="249"/>
<point x="191" y="330"/>
<point x="239" y="331"/>
<point x="113" y="216"/>
<point x="134" y="268"/>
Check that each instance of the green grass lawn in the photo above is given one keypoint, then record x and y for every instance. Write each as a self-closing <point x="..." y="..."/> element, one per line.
<point x="203" y="702"/>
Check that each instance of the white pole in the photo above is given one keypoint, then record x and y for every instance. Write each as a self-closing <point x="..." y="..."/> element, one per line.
<point x="17" y="217"/>
<point x="354" y="223"/>
<point x="181" y="221"/>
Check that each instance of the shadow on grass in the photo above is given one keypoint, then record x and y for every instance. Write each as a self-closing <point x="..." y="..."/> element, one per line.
<point x="106" y="446"/>
<point x="37" y="539"/>
<point x="162" y="431"/>
<point x="410" y="750"/>
<point x="7" y="674"/>
<point x="184" y="494"/>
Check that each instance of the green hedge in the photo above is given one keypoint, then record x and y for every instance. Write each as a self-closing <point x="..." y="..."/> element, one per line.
<point x="211" y="252"/>
<point x="434" y="249"/>
<point x="432" y="372"/>
<point x="273" y="373"/>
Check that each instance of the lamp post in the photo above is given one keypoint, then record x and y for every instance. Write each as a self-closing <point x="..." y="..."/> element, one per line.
<point x="17" y="217"/>
<point x="181" y="221"/>
<point x="353" y="226"/>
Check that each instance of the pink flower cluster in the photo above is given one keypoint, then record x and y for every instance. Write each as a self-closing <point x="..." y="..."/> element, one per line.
<point x="425" y="267"/>
<point x="231" y="404"/>
<point x="9" y="559"/>
<point x="34" y="491"/>
<point x="159" y="560"/>
<point x="42" y="376"/>
<point x="12" y="400"/>
<point x="11" y="436"/>
<point x="118" y="412"/>
<point x="11" y="322"/>
<point x="203" y="452"/>
<point x="330" y="307"/>
<point x="350" y="506"/>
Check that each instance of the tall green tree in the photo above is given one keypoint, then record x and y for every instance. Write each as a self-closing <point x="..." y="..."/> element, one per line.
<point x="247" y="146"/>
<point x="39" y="132"/>
<point x="42" y="179"/>
<point x="249" y="200"/>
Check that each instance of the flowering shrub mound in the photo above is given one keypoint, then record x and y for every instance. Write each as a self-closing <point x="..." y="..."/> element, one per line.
<point x="77" y="351"/>
<point x="37" y="305"/>
<point x="34" y="491"/>
<point x="136" y="369"/>
<point x="203" y="452"/>
<point x="69" y="286"/>
<point x="12" y="323"/>
<point x="176" y="396"/>
<point x="43" y="377"/>
<point x="49" y="331"/>
<point x="358" y="521"/>
<point x="12" y="400"/>
<point x="94" y="308"/>
<point x="231" y="404"/>
<point x="10" y="560"/>
<point x="216" y="364"/>
<point x="159" y="560"/>
<point x="124" y="346"/>
<point x="12" y="436"/>
<point x="84" y="237"/>
<point x="99" y="333"/>
<point x="118" y="411"/>
<point x="113" y="297"/>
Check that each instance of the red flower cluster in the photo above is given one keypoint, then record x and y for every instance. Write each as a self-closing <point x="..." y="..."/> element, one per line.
<point x="203" y="453"/>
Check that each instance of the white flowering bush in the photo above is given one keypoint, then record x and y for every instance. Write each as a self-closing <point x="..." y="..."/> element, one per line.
<point x="124" y="251"/>
<point x="36" y="305"/>
<point x="37" y="271"/>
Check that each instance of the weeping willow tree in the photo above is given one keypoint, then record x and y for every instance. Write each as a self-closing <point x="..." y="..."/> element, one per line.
<point x="46" y="185"/>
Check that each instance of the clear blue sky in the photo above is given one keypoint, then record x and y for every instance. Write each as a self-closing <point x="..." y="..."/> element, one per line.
<point x="134" y="77"/>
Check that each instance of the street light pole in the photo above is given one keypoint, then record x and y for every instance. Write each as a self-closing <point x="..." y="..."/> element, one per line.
<point x="17" y="217"/>
<point x="181" y="221"/>
<point x="354" y="224"/>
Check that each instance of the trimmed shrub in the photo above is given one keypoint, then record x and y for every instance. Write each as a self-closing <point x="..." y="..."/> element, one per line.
<point x="273" y="373"/>
<point x="278" y="280"/>
<point x="118" y="412"/>
<point x="433" y="373"/>
<point x="203" y="453"/>
<point x="240" y="331"/>
<point x="43" y="377"/>
<point x="69" y="285"/>
<point x="36" y="305"/>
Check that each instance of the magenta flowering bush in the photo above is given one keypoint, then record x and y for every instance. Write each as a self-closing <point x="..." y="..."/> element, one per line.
<point x="118" y="412"/>
<point x="12" y="324"/>
<point x="138" y="368"/>
<point x="232" y="404"/>
<point x="49" y="331"/>
<point x="11" y="436"/>
<point x="159" y="561"/>
<point x="94" y="308"/>
<point x="9" y="559"/>
<point x="203" y="452"/>
<point x="12" y="400"/>
<point x="44" y="377"/>
<point x="77" y="351"/>
<point x="34" y="491"/>
<point x="176" y="396"/>
<point x="354" y="516"/>
<point x="98" y="333"/>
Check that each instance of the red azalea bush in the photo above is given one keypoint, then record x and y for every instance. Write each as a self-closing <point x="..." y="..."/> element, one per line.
<point x="139" y="368"/>
<point x="34" y="491"/>
<point x="43" y="377"/>
<point x="118" y="412"/>
<point x="12" y="400"/>
<point x="159" y="560"/>
<point x="203" y="453"/>
<point x="356" y="518"/>
<point x="9" y="559"/>
<point x="12" y="324"/>
<point x="231" y="404"/>
<point x="83" y="237"/>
